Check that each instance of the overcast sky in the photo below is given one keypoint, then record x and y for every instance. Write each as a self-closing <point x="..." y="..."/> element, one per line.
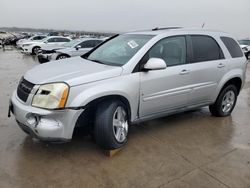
<point x="116" y="15"/>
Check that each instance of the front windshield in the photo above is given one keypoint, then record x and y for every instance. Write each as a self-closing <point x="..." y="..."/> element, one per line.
<point x="31" y="38"/>
<point x="119" y="50"/>
<point x="71" y="43"/>
<point x="45" y="39"/>
<point x="244" y="42"/>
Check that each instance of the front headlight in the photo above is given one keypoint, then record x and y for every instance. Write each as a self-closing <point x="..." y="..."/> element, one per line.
<point x="245" y="49"/>
<point x="51" y="96"/>
<point x="26" y="45"/>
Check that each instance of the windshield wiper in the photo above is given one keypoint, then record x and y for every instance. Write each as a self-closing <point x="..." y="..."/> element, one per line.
<point x="97" y="61"/>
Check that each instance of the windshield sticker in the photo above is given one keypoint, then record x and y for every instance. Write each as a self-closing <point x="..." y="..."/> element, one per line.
<point x="132" y="44"/>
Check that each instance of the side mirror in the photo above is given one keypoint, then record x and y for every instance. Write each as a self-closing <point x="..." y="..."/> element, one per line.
<point x="77" y="47"/>
<point x="155" y="64"/>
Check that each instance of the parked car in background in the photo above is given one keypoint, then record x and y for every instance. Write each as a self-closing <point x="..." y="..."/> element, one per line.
<point x="128" y="79"/>
<point x="245" y="45"/>
<point x="32" y="47"/>
<point x="54" y="33"/>
<point x="20" y="42"/>
<point x="73" y="48"/>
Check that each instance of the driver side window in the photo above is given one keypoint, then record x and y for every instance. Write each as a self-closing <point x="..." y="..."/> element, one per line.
<point x="51" y="40"/>
<point x="172" y="50"/>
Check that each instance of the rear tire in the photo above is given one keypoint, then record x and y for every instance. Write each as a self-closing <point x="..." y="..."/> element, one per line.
<point x="225" y="102"/>
<point x="111" y="125"/>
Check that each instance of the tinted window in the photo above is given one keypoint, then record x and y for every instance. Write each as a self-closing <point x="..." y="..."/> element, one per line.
<point x="57" y="39"/>
<point x="36" y="38"/>
<point x="244" y="42"/>
<point x="62" y="40"/>
<point x="96" y="42"/>
<point x="40" y="37"/>
<point x="205" y="48"/>
<point x="52" y="40"/>
<point x="172" y="50"/>
<point x="232" y="46"/>
<point x="87" y="44"/>
<point x="90" y="43"/>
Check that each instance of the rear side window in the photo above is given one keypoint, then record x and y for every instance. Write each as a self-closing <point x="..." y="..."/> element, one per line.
<point x="205" y="48"/>
<point x="232" y="46"/>
<point x="87" y="44"/>
<point x="52" y="40"/>
<point x="96" y="42"/>
<point x="62" y="40"/>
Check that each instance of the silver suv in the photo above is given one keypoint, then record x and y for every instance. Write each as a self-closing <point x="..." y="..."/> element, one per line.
<point x="128" y="79"/>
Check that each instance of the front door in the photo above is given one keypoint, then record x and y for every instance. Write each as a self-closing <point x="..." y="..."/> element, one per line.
<point x="168" y="89"/>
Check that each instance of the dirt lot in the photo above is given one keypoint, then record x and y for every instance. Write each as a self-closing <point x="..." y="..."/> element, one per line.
<point x="191" y="149"/>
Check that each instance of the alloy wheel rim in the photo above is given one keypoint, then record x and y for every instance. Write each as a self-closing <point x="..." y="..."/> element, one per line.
<point x="120" y="124"/>
<point x="228" y="101"/>
<point x="36" y="50"/>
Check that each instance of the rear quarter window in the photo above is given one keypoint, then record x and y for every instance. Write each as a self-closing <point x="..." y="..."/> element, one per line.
<point x="232" y="46"/>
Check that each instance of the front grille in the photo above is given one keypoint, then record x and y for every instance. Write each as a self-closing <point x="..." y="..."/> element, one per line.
<point x="47" y="51"/>
<point x="24" y="88"/>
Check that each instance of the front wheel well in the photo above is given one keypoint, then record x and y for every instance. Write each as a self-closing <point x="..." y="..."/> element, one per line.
<point x="87" y="117"/>
<point x="237" y="82"/>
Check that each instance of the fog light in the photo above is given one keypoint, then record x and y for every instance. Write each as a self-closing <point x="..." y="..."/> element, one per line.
<point x="32" y="120"/>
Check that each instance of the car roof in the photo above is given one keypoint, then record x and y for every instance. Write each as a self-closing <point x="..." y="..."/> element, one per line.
<point x="178" y="30"/>
<point x="85" y="39"/>
<point x="56" y="37"/>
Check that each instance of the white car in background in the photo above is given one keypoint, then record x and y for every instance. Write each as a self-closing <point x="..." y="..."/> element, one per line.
<point x="245" y="46"/>
<point x="73" y="48"/>
<point x="32" y="47"/>
<point x="20" y="42"/>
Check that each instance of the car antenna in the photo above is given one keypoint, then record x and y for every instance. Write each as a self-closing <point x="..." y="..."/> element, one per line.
<point x="203" y="25"/>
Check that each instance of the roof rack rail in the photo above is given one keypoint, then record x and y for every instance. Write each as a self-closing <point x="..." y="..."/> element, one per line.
<point x="165" y="28"/>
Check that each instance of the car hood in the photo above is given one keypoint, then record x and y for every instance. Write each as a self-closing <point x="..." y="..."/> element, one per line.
<point x="33" y="42"/>
<point x="74" y="71"/>
<point x="65" y="50"/>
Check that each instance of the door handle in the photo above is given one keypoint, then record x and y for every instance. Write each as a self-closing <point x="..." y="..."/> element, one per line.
<point x="221" y="65"/>
<point x="184" y="71"/>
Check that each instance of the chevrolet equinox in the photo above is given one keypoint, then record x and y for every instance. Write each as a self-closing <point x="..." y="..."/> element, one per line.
<point x="127" y="79"/>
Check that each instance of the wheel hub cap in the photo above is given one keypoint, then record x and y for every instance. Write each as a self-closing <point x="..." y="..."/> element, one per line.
<point x="120" y="124"/>
<point x="228" y="101"/>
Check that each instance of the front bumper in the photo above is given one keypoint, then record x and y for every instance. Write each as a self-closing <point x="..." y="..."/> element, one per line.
<point x="52" y="125"/>
<point x="43" y="58"/>
<point x="25" y="50"/>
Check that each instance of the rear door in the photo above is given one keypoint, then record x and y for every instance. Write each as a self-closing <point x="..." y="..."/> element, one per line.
<point x="207" y="65"/>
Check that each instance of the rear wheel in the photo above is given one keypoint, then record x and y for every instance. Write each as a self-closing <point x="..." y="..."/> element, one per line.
<point x="111" y="125"/>
<point x="225" y="102"/>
